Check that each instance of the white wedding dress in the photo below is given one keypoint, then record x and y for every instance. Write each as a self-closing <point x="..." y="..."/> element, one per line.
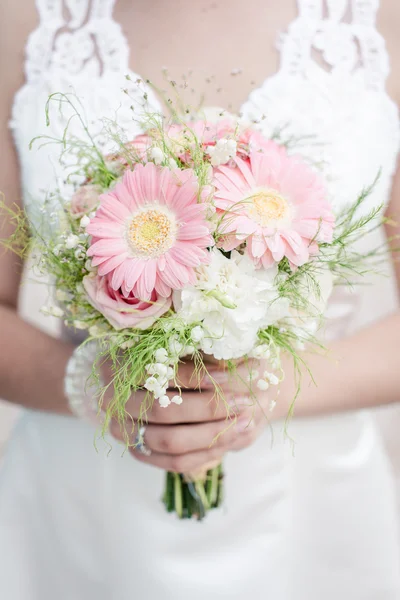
<point x="319" y="525"/>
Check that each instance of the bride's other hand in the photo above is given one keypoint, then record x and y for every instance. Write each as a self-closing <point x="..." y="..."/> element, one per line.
<point x="202" y="429"/>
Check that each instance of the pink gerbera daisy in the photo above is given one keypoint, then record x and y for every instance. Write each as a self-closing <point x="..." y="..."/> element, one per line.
<point x="150" y="232"/>
<point x="275" y="203"/>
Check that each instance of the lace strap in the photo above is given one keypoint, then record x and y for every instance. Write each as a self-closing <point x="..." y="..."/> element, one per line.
<point x="336" y="36"/>
<point x="75" y="38"/>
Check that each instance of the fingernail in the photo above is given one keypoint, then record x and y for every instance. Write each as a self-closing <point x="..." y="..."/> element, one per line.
<point x="244" y="423"/>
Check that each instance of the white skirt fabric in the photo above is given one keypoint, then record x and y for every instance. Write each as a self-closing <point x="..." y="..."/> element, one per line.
<point x="319" y="522"/>
<point x="312" y="520"/>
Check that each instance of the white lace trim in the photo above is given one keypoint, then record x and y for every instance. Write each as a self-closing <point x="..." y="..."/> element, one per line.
<point x="76" y="38"/>
<point x="336" y="36"/>
<point x="80" y="391"/>
<point x="80" y="39"/>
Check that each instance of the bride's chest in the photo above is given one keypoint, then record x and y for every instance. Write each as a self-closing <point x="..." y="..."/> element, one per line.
<point x="216" y="52"/>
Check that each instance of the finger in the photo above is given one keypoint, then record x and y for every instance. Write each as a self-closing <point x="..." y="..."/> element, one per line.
<point x="191" y="461"/>
<point x="183" y="439"/>
<point x="249" y="435"/>
<point x="180" y="463"/>
<point x="196" y="408"/>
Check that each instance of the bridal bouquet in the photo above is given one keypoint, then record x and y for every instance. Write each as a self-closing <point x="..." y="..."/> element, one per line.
<point x="198" y="239"/>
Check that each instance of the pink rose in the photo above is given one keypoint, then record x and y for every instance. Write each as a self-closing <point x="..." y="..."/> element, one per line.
<point x="121" y="312"/>
<point x="85" y="199"/>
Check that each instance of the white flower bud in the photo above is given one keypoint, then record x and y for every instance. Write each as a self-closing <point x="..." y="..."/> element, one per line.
<point x="172" y="163"/>
<point x="197" y="334"/>
<point x="84" y="222"/>
<point x="95" y="330"/>
<point x="160" y="391"/>
<point x="252" y="375"/>
<point x="157" y="155"/>
<point x="271" y="378"/>
<point x="175" y="345"/>
<point x="151" y="384"/>
<point x="157" y="369"/>
<point x="80" y="254"/>
<point x="53" y="311"/>
<point x="164" y="401"/>
<point x="188" y="350"/>
<point x="262" y="385"/>
<point x="126" y="345"/>
<point x="80" y="324"/>
<point x="72" y="241"/>
<point x="177" y="399"/>
<point x="222" y="152"/>
<point x="161" y="355"/>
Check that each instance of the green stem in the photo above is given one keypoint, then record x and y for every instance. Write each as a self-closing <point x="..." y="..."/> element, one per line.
<point x="169" y="493"/>
<point x="214" y="482"/>
<point x="178" y="494"/>
<point x="199" y="486"/>
<point x="190" y="499"/>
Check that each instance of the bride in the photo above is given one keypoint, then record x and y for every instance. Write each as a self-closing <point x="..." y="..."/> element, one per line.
<point x="322" y="524"/>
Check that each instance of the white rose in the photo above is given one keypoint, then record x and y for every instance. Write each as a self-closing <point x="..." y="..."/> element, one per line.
<point x="233" y="301"/>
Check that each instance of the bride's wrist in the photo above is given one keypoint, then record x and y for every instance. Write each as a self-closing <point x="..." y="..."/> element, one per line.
<point x="80" y="387"/>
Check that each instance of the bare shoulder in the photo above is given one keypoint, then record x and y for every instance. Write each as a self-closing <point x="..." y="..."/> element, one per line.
<point x="15" y="26"/>
<point x="389" y="27"/>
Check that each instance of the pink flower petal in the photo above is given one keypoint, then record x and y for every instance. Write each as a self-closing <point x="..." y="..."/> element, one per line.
<point x="111" y="209"/>
<point x="258" y="246"/>
<point x="104" y="229"/>
<point x="162" y="288"/>
<point x="134" y="270"/>
<point x="192" y="231"/>
<point x="149" y="275"/>
<point x="118" y="276"/>
<point x="108" y="247"/>
<point x="185" y="256"/>
<point x="111" y="263"/>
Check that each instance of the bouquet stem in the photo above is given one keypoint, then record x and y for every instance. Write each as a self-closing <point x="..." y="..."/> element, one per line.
<point x="193" y="498"/>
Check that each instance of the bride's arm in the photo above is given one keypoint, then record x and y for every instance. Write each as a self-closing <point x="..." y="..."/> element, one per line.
<point x="32" y="363"/>
<point x="360" y="371"/>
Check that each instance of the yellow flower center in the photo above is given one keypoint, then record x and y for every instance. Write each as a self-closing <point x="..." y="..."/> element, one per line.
<point x="151" y="233"/>
<point x="267" y="207"/>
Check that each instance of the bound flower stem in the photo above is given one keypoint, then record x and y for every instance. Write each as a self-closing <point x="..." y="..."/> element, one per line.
<point x="189" y="498"/>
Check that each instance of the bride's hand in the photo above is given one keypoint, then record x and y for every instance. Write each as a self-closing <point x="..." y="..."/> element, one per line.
<point x="201" y="430"/>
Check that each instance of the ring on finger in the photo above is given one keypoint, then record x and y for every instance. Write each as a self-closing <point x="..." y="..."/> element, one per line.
<point x="140" y="446"/>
